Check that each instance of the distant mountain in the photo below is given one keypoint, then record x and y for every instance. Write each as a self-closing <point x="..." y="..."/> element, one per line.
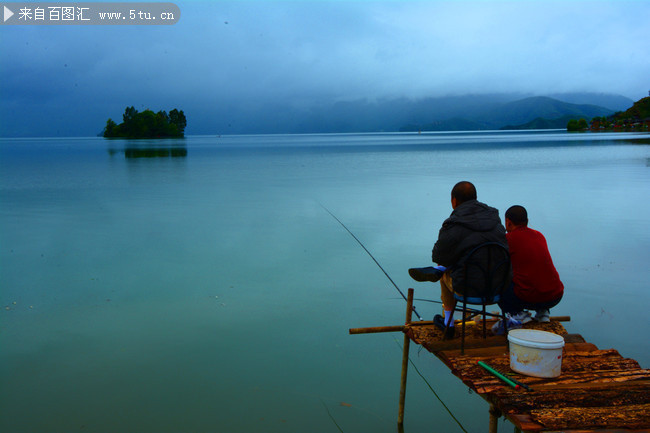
<point x="457" y="112"/>
<point x="548" y="108"/>
<point x="449" y="112"/>
<point x="639" y="111"/>
<point x="541" y="123"/>
<point x="635" y="118"/>
<point x="607" y="100"/>
<point x="455" y="124"/>
<point x="534" y="109"/>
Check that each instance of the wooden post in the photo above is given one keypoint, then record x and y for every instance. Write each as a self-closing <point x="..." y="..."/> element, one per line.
<point x="405" y="361"/>
<point x="495" y="414"/>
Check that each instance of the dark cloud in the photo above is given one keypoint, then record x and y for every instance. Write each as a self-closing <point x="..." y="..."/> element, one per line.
<point x="228" y="61"/>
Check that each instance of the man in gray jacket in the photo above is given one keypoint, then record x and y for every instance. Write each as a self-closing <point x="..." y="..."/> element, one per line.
<point x="471" y="224"/>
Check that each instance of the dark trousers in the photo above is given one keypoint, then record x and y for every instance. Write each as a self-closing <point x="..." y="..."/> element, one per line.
<point x="510" y="303"/>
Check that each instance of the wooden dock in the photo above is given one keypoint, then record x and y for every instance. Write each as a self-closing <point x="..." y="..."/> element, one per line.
<point x="598" y="390"/>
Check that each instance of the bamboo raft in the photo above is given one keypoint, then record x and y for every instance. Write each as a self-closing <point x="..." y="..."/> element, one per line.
<point x="598" y="390"/>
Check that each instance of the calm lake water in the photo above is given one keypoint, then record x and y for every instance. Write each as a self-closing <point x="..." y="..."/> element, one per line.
<point x="205" y="289"/>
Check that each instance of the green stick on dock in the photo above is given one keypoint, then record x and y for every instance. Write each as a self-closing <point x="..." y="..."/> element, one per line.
<point x="499" y="375"/>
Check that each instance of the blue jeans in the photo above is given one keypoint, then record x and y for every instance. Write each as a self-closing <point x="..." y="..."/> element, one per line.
<point x="510" y="303"/>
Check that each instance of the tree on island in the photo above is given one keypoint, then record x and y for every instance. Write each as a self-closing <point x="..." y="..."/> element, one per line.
<point x="147" y="124"/>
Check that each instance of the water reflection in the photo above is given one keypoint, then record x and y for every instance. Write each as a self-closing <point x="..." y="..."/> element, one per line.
<point x="150" y="150"/>
<point x="155" y="153"/>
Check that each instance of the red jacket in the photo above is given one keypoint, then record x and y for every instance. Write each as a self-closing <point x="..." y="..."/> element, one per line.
<point x="534" y="275"/>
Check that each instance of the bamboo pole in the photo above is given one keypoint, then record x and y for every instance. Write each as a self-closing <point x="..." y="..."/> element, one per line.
<point x="495" y="413"/>
<point x="405" y="361"/>
<point x="400" y="328"/>
<point x="376" y="329"/>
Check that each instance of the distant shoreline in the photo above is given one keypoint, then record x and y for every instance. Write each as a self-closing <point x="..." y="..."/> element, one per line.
<point x="634" y="119"/>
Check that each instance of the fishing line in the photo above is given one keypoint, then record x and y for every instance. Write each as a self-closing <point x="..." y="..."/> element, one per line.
<point x="467" y="309"/>
<point x="332" y="417"/>
<point x="371" y="256"/>
<point x="413" y="307"/>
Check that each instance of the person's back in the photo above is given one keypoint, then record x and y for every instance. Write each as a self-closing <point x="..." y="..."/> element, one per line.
<point x="470" y="224"/>
<point x="536" y="282"/>
<point x="534" y="275"/>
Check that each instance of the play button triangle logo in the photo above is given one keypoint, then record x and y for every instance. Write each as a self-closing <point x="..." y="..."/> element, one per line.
<point x="7" y="13"/>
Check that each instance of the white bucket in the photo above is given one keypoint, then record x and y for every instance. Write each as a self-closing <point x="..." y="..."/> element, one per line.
<point x="535" y="353"/>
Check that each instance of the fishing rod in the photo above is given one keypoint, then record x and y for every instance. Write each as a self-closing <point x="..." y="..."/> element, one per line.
<point x="371" y="256"/>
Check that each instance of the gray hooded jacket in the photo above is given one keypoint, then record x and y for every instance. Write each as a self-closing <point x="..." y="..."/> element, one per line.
<point x="469" y="225"/>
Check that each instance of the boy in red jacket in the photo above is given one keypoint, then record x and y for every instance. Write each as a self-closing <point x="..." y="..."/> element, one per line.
<point x="536" y="284"/>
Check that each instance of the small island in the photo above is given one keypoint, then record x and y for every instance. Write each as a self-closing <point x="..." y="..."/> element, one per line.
<point x="635" y="118"/>
<point x="147" y="124"/>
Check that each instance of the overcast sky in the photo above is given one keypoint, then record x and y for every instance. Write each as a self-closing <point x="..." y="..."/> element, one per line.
<point x="249" y="55"/>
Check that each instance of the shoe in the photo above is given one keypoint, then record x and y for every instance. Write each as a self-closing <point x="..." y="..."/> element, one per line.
<point x="439" y="322"/>
<point x="523" y="317"/>
<point x="426" y="274"/>
<point x="543" y="316"/>
<point x="497" y="328"/>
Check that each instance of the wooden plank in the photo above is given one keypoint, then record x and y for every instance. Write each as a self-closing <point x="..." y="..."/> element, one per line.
<point x="487" y="384"/>
<point x="552" y="318"/>
<point x="603" y="376"/>
<point x="496" y="345"/>
<point x="524" y="422"/>
<point x="609" y="430"/>
<point x="476" y="353"/>
<point x="598" y="353"/>
<point x="599" y="366"/>
<point x="470" y="343"/>
<point x="543" y="398"/>
<point x="457" y="362"/>
<point x="560" y="387"/>
<point x="573" y="338"/>
<point x="572" y="363"/>
<point x="579" y="347"/>
<point x="431" y="336"/>
<point x="636" y="416"/>
<point x="592" y="364"/>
